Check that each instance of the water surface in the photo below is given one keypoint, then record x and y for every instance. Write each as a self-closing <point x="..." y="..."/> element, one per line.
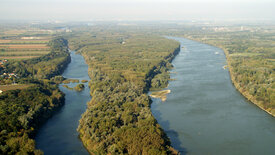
<point x="205" y="114"/>
<point x="58" y="136"/>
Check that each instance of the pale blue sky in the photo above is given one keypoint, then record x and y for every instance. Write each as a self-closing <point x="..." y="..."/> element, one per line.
<point x="72" y="10"/>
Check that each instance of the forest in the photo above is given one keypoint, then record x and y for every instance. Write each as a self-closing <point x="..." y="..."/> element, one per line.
<point x="123" y="66"/>
<point x="22" y="111"/>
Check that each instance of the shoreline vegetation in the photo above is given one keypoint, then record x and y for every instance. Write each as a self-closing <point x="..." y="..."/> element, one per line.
<point x="66" y="86"/>
<point x="118" y="119"/>
<point x="22" y="111"/>
<point x="125" y="63"/>
<point x="79" y="87"/>
<point x="244" y="92"/>
<point x="67" y="81"/>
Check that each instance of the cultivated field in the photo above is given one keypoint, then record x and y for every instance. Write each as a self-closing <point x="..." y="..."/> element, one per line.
<point x="14" y="87"/>
<point x="17" y="45"/>
<point x="21" y="50"/>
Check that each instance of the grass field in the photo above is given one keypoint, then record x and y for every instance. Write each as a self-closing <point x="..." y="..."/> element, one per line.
<point x="14" y="87"/>
<point x="4" y="41"/>
<point x="24" y="41"/>
<point x="23" y="49"/>
<point x="23" y="44"/>
<point x="17" y="57"/>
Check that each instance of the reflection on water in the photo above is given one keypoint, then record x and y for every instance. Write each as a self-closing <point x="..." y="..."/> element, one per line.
<point x="204" y="113"/>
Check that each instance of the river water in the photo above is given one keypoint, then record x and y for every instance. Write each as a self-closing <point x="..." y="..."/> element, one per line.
<point x="58" y="136"/>
<point x="205" y="114"/>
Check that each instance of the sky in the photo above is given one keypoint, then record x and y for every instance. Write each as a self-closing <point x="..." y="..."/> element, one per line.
<point x="90" y="10"/>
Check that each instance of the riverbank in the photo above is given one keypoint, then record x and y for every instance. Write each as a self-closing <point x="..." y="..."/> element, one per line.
<point x="245" y="93"/>
<point x="205" y="114"/>
<point x="24" y="111"/>
<point x="236" y="84"/>
<point x="118" y="118"/>
<point x="58" y="135"/>
<point x="143" y="126"/>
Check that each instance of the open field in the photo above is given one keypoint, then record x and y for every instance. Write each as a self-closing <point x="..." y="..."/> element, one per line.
<point x="22" y="53"/>
<point x="4" y="41"/>
<point x="25" y="43"/>
<point x="14" y="49"/>
<point x="17" y="57"/>
<point x="20" y="46"/>
<point x="14" y="87"/>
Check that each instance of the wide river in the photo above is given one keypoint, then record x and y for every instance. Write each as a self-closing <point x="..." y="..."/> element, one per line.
<point x="205" y="114"/>
<point x="58" y="136"/>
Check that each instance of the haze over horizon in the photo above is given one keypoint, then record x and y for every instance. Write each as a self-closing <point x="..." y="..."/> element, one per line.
<point x="87" y="10"/>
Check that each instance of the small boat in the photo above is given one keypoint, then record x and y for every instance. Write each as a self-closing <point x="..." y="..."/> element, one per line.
<point x="216" y="52"/>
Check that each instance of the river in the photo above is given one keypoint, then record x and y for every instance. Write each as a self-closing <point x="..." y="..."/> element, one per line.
<point x="59" y="135"/>
<point x="204" y="113"/>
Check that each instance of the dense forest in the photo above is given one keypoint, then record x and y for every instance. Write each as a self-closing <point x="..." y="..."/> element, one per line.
<point x="123" y="65"/>
<point x="251" y="60"/>
<point x="22" y="111"/>
<point x="125" y="62"/>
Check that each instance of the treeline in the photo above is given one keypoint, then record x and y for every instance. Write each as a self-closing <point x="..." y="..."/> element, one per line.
<point x="22" y="111"/>
<point x="118" y="119"/>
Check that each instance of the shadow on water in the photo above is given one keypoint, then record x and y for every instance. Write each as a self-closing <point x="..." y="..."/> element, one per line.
<point x="172" y="134"/>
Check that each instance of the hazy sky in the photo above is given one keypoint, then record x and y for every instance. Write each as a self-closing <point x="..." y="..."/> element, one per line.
<point x="79" y="10"/>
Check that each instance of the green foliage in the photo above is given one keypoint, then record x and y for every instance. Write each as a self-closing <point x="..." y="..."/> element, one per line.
<point x="21" y="112"/>
<point x="70" y="81"/>
<point x="84" y="81"/>
<point x="58" y="79"/>
<point x="160" y="81"/>
<point x="118" y="119"/>
<point x="79" y="87"/>
<point x="66" y="86"/>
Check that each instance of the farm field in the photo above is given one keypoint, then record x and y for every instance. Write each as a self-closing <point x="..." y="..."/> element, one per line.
<point x="14" y="87"/>
<point x="21" y="50"/>
<point x="23" y="44"/>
